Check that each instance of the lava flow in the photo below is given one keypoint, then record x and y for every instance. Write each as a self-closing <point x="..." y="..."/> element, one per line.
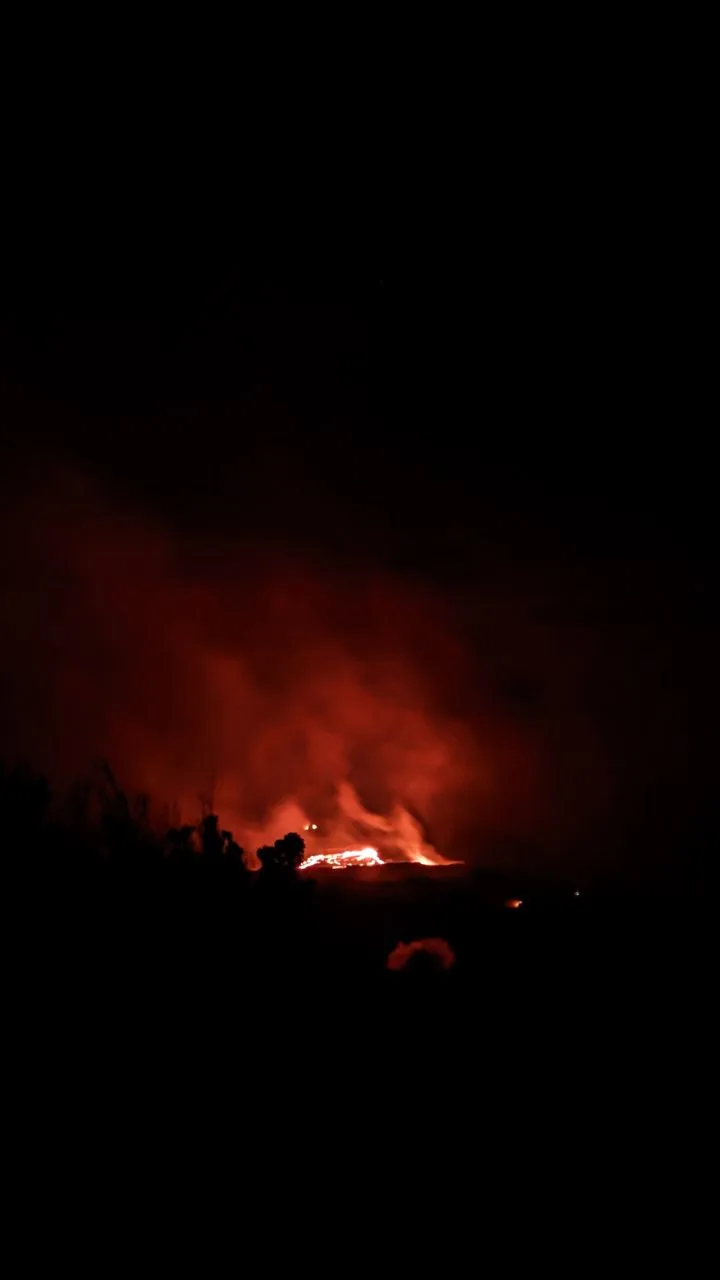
<point x="341" y="841"/>
<point x="347" y="858"/>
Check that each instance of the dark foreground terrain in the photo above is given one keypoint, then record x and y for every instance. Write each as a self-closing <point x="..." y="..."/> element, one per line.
<point x="205" y="960"/>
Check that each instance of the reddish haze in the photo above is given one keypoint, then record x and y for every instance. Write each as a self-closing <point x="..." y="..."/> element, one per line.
<point x="272" y="685"/>
<point x="263" y="686"/>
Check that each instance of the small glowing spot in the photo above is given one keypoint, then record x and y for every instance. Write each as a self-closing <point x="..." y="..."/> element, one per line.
<point x="307" y="826"/>
<point x="576" y="893"/>
<point x="314" y="826"/>
<point x="514" y="903"/>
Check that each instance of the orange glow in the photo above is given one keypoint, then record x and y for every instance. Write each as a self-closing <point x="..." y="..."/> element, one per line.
<point x="352" y="835"/>
<point x="341" y="861"/>
<point x="283" y="684"/>
<point x="282" y="695"/>
<point x="514" y="903"/>
<point x="437" y="948"/>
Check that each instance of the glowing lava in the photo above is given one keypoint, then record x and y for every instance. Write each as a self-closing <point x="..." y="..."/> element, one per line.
<point x="347" y="858"/>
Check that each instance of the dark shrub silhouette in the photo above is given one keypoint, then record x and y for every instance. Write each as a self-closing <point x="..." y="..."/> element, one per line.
<point x="179" y="843"/>
<point x="125" y="828"/>
<point x="232" y="850"/>
<point x="283" y="857"/>
<point x="211" y="838"/>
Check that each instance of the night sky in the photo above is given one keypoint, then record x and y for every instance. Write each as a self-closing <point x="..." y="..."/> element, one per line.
<point x="454" y="460"/>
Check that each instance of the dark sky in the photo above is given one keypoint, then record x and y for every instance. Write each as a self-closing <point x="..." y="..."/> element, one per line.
<point x="528" y="391"/>
<point x="491" y="398"/>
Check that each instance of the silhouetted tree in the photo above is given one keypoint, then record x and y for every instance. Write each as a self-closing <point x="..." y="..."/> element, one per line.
<point x="232" y="849"/>
<point x="125" y="829"/>
<point x="284" y="856"/>
<point x="141" y="809"/>
<point x="179" y="843"/>
<point x="114" y="796"/>
<point x="266" y="857"/>
<point x="211" y="838"/>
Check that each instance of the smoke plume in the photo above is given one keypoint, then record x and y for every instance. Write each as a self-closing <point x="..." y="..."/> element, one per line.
<point x="284" y="689"/>
<point x="273" y="690"/>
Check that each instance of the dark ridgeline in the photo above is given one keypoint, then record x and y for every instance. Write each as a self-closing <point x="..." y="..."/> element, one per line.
<point x="103" y="819"/>
<point x="115" y="915"/>
<point x="99" y="820"/>
<point x="111" y="900"/>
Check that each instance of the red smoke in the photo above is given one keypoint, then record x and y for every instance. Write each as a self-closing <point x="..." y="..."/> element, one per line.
<point x="276" y="688"/>
<point x="255" y="683"/>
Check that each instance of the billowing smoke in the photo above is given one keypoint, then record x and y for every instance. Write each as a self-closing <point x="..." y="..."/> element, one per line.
<point x="397" y="835"/>
<point x="284" y="689"/>
<point x="270" y="689"/>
